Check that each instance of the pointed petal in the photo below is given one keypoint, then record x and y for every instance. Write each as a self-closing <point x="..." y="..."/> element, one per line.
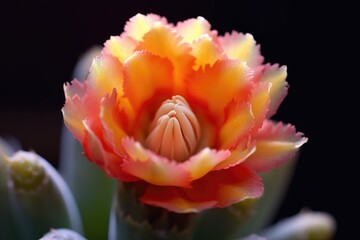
<point x="226" y="76"/>
<point x="238" y="155"/>
<point x="237" y="127"/>
<point x="163" y="41"/>
<point x="146" y="75"/>
<point x="243" y="47"/>
<point x="217" y="189"/>
<point x="206" y="52"/>
<point x="204" y="162"/>
<point x="276" y="143"/>
<point x="279" y="87"/>
<point x="140" y="24"/>
<point x="116" y="117"/>
<point x="193" y="28"/>
<point x="120" y="47"/>
<point x="259" y="101"/>
<point x="151" y="167"/>
<point x="79" y="104"/>
<point x="96" y="152"/>
<point x="106" y="73"/>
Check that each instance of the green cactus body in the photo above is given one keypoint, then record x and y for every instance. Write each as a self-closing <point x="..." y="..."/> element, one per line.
<point x="38" y="197"/>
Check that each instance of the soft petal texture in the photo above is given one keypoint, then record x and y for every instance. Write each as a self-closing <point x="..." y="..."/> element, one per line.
<point x="140" y="24"/>
<point x="109" y="162"/>
<point x="159" y="170"/>
<point x="153" y="73"/>
<point x="237" y="183"/>
<point x="120" y="47"/>
<point x="243" y="47"/>
<point x="275" y="143"/>
<point x="206" y="52"/>
<point x="151" y="167"/>
<point x="279" y="87"/>
<point x="105" y="75"/>
<point x="226" y="76"/>
<point x="112" y="112"/>
<point x="194" y="28"/>
<point x="182" y="112"/>
<point x="238" y="125"/>
<point x="162" y="40"/>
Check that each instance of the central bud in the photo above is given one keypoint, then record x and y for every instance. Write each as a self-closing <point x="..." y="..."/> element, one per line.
<point x="175" y="131"/>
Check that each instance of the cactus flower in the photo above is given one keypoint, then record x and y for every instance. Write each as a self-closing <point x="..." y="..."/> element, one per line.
<point x="183" y="113"/>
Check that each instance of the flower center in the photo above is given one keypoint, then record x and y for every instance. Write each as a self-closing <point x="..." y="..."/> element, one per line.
<point x="175" y="131"/>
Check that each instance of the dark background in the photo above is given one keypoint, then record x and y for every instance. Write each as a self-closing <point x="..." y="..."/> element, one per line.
<point x="42" y="40"/>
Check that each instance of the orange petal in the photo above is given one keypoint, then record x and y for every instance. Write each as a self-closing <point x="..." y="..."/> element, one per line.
<point x="220" y="84"/>
<point x="146" y="75"/>
<point x="279" y="87"/>
<point x="96" y="152"/>
<point x="217" y="189"/>
<point x="275" y="144"/>
<point x="205" y="51"/>
<point x="164" y="41"/>
<point x="79" y="105"/>
<point x="151" y="167"/>
<point x="120" y="47"/>
<point x="106" y="73"/>
<point x="116" y="116"/>
<point x="259" y="101"/>
<point x="237" y="127"/>
<point x="243" y="47"/>
<point x="238" y="155"/>
<point x="140" y="24"/>
<point x="204" y="162"/>
<point x="193" y="28"/>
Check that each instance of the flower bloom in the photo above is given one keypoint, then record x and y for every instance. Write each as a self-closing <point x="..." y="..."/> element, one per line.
<point x="182" y="111"/>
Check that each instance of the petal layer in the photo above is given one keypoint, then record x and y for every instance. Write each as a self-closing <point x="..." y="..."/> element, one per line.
<point x="164" y="41"/>
<point x="226" y="76"/>
<point x="161" y="171"/>
<point x="276" y="76"/>
<point x="243" y="47"/>
<point x="193" y="28"/>
<point x="217" y="189"/>
<point x="275" y="144"/>
<point x="146" y="75"/>
<point x="140" y="24"/>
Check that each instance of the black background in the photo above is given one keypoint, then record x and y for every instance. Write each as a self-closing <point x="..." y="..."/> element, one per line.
<point x="42" y="40"/>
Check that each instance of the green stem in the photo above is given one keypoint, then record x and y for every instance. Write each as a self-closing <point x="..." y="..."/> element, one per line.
<point x="131" y="219"/>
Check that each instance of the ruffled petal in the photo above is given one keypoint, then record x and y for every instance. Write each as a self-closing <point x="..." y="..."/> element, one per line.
<point x="205" y="51"/>
<point x="243" y="47"/>
<point x="163" y="41"/>
<point x="193" y="28"/>
<point x="116" y="118"/>
<point x="106" y="73"/>
<point x="217" y="189"/>
<point x="279" y="87"/>
<point x="275" y="144"/>
<point x="151" y="167"/>
<point x="140" y="24"/>
<point x="96" y="152"/>
<point x="120" y="47"/>
<point x="225" y="76"/>
<point x="79" y="105"/>
<point x="146" y="75"/>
